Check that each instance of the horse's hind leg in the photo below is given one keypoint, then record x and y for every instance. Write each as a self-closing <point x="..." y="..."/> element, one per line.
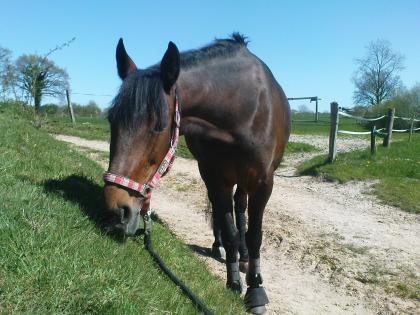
<point x="240" y="218"/>
<point x="221" y="199"/>
<point x="255" y="297"/>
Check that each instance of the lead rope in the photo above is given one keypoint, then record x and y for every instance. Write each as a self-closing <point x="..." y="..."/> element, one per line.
<point x="149" y="247"/>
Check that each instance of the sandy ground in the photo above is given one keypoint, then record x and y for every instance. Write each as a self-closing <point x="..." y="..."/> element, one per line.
<point x="328" y="248"/>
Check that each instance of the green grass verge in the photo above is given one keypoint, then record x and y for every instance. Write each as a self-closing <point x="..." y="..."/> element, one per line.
<point x="182" y="149"/>
<point x="55" y="260"/>
<point x="95" y="128"/>
<point x="298" y="147"/>
<point x="396" y="168"/>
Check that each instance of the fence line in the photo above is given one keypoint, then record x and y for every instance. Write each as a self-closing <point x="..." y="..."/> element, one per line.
<point x="405" y="118"/>
<point x="360" y="118"/>
<point x="385" y="133"/>
<point x="347" y="132"/>
<point x="405" y="130"/>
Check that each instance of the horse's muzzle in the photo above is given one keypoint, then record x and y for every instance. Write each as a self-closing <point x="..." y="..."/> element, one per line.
<point x="123" y="208"/>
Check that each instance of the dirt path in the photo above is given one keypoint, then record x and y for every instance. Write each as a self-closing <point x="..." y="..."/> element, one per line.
<point x="327" y="248"/>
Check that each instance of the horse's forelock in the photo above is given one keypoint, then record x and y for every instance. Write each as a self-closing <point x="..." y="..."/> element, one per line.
<point x="140" y="98"/>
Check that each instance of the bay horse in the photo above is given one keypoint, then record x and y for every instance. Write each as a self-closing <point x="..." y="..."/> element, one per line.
<point x="236" y="121"/>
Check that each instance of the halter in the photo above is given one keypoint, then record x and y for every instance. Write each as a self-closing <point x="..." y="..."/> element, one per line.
<point x="145" y="190"/>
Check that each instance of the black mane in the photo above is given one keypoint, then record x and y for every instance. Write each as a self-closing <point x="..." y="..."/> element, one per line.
<point x="141" y="94"/>
<point x="219" y="48"/>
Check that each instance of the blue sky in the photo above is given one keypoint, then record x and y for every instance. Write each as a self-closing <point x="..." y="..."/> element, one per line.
<point x="310" y="46"/>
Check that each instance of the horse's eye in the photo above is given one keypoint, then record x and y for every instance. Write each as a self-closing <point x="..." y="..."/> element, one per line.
<point x="152" y="161"/>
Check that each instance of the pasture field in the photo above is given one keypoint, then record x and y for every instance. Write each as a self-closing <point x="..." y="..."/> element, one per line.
<point x="92" y="128"/>
<point x="55" y="258"/>
<point x="396" y="168"/>
<point x="98" y="128"/>
<point x="304" y="124"/>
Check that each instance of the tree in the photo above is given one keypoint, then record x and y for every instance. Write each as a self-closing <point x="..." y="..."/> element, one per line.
<point x="304" y="109"/>
<point x="40" y="77"/>
<point x="376" y="78"/>
<point x="7" y="77"/>
<point x="90" y="109"/>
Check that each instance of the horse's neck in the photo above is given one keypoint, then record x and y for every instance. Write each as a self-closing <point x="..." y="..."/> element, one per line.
<point x="193" y="91"/>
<point x="196" y="95"/>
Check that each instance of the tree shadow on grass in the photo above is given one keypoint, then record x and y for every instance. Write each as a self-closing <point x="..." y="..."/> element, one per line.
<point x="312" y="168"/>
<point x="88" y="195"/>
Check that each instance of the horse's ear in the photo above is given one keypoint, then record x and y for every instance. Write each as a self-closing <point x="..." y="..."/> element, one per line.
<point x="169" y="67"/>
<point x="124" y="63"/>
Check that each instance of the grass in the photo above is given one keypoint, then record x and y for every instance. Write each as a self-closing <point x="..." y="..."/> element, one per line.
<point x="396" y="168"/>
<point x="92" y="128"/>
<point x="55" y="259"/>
<point x="400" y="282"/>
<point x="298" y="147"/>
<point x="304" y="124"/>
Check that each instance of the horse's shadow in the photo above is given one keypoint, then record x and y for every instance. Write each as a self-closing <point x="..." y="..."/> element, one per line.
<point x="205" y="251"/>
<point x="89" y="196"/>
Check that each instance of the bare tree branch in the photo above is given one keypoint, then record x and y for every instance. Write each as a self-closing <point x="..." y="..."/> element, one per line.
<point x="376" y="78"/>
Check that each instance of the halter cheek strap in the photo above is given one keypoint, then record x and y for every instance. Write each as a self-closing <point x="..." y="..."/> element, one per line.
<point x="145" y="190"/>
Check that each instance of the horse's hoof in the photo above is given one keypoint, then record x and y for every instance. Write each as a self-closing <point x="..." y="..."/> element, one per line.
<point x="235" y="286"/>
<point x="255" y="300"/>
<point x="215" y="252"/>
<point x="257" y="310"/>
<point x="243" y="266"/>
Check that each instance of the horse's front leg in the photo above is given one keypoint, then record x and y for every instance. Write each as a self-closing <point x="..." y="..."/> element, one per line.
<point x="255" y="297"/>
<point x="221" y="199"/>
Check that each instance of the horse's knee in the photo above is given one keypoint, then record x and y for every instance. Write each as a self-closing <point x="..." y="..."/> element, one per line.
<point x="230" y="236"/>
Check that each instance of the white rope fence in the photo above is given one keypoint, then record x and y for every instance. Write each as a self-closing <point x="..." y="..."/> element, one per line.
<point x="408" y="119"/>
<point x="361" y="118"/>
<point x="405" y="130"/>
<point x="385" y="133"/>
<point x="347" y="132"/>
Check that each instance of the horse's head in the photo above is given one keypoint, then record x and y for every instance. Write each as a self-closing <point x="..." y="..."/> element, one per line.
<point x="141" y="123"/>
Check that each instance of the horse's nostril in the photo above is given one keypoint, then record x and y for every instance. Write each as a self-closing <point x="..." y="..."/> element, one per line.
<point x="125" y="214"/>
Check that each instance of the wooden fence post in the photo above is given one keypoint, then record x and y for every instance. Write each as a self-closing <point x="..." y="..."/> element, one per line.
<point x="333" y="132"/>
<point x="70" y="107"/>
<point x="411" y="129"/>
<point x="390" y="125"/>
<point x="373" y="140"/>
